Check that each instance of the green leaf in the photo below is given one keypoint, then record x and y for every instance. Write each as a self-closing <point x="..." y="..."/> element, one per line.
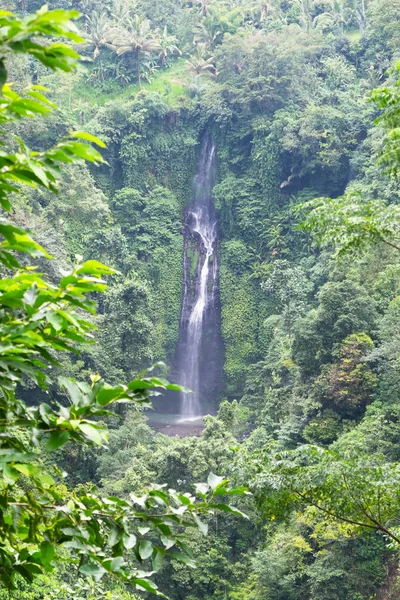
<point x="57" y="439"/>
<point x="27" y="469"/>
<point x="140" y="384"/>
<point x="107" y="394"/>
<point x="87" y="136"/>
<point x="45" y="479"/>
<point x="33" y="569"/>
<point x="145" y="549"/>
<point x="184" y="558"/>
<point x="214" y="481"/>
<point x="224" y="491"/>
<point x="46" y="413"/>
<point x="202" y="488"/>
<point x="72" y="388"/>
<point x="143" y="530"/>
<point x="92" y="433"/>
<point x="84" y="151"/>
<point x="129" y="541"/>
<point x="23" y="571"/>
<point x="113" y="564"/>
<point x="47" y="553"/>
<point x="230" y="509"/>
<point x="114" y="536"/>
<point x="146" y="586"/>
<point x="168" y="541"/>
<point x="3" y="73"/>
<point x="38" y="96"/>
<point x="238" y="491"/>
<point x="92" y="570"/>
<point x="94" y="267"/>
<point x="56" y="320"/>
<point x="19" y="241"/>
<point x="10" y="474"/>
<point x="203" y="527"/>
<point x="157" y="559"/>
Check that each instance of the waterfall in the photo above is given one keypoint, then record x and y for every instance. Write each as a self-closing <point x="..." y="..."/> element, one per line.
<point x="199" y="353"/>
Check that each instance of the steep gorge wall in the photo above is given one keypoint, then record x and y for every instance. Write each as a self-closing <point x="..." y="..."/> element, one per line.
<point x="152" y="154"/>
<point x="152" y="157"/>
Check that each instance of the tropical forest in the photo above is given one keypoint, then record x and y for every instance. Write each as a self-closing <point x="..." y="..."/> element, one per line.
<point x="200" y="299"/>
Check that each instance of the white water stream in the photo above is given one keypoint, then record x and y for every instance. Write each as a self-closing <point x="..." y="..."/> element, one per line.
<point x="199" y="296"/>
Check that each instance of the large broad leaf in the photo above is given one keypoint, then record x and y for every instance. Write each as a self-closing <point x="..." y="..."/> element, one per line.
<point x="202" y="489"/>
<point x="10" y="474"/>
<point x="147" y="586"/>
<point x="94" y="267"/>
<point x="238" y="491"/>
<point x="3" y="73"/>
<point x="229" y="508"/>
<point x="56" y="320"/>
<point x="92" y="433"/>
<point x="114" y="536"/>
<point x="145" y="549"/>
<point x="214" y="481"/>
<point x="47" y="553"/>
<point x="203" y="527"/>
<point x="92" y="570"/>
<point x="83" y="135"/>
<point x="184" y="558"/>
<point x="107" y="394"/>
<point x="168" y="541"/>
<point x="157" y="559"/>
<point x="31" y="295"/>
<point x="57" y="439"/>
<point x="129" y="541"/>
<point x="28" y="470"/>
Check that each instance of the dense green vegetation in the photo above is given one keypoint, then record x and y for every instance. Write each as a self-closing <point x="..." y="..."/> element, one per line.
<point x="302" y="100"/>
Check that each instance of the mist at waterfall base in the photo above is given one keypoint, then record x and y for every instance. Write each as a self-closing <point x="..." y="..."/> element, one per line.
<point x="199" y="355"/>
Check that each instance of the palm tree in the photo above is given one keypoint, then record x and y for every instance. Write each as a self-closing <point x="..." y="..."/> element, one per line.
<point x="97" y="33"/>
<point x="122" y="10"/>
<point x="121" y="73"/>
<point x="265" y="9"/>
<point x="362" y="14"/>
<point x="203" y="6"/>
<point x="136" y="37"/>
<point x="82" y="109"/>
<point x="305" y="12"/>
<point x="336" y="16"/>
<point x="167" y="46"/>
<point x="199" y="64"/>
<point x="207" y="32"/>
<point x="150" y="68"/>
<point x="195" y="86"/>
<point x="237" y="8"/>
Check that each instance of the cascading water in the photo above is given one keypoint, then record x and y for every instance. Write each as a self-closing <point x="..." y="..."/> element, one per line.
<point x="200" y="352"/>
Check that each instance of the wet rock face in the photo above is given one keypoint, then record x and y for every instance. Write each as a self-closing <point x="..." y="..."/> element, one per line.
<point x="199" y="356"/>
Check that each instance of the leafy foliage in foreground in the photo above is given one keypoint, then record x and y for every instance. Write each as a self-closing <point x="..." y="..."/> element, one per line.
<point x="39" y="519"/>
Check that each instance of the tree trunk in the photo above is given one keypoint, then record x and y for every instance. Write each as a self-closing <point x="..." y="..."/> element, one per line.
<point x="101" y="68"/>
<point x="138" y="68"/>
<point x="363" y="14"/>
